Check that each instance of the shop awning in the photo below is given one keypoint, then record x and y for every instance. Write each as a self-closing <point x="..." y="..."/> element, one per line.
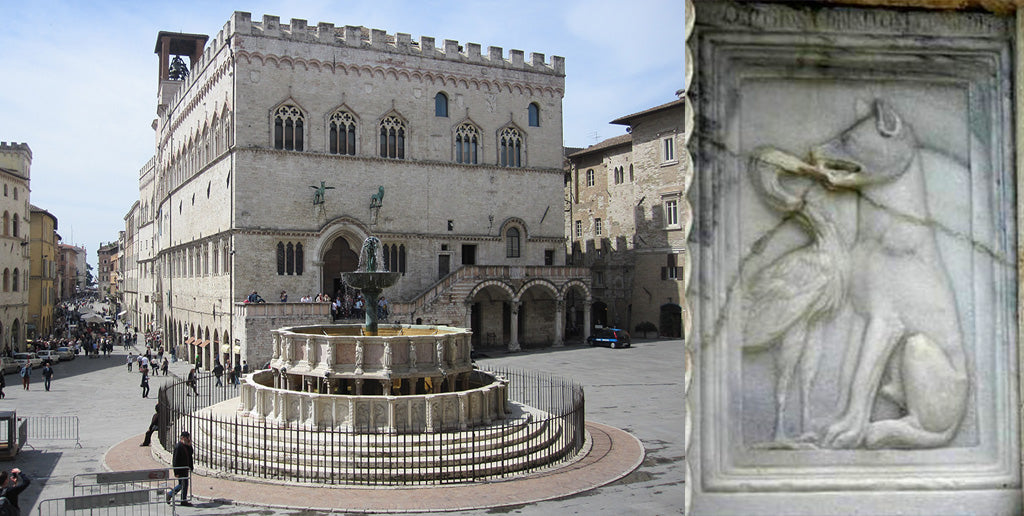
<point x="203" y="343"/>
<point x="190" y="340"/>
<point x="226" y="348"/>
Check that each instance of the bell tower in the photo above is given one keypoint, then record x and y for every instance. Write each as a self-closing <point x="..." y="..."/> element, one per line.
<point x="172" y="72"/>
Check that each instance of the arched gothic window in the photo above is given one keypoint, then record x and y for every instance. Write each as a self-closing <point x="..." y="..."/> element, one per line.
<point x="290" y="256"/>
<point x="392" y="138"/>
<point x="7" y="280"/>
<point x="467" y="140"/>
<point x="342" y="133"/>
<point x="226" y="258"/>
<point x="534" y="114"/>
<point x="394" y="257"/>
<point x="288" y="128"/>
<point x="14" y="282"/>
<point x="441" y="105"/>
<point x="14" y="224"/>
<point x="280" y="258"/>
<point x="7" y="224"/>
<point x="510" y="147"/>
<point x="512" y="243"/>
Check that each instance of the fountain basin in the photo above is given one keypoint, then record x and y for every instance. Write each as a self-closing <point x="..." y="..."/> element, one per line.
<point x="371" y="280"/>
<point x="342" y="351"/>
<point x="412" y="414"/>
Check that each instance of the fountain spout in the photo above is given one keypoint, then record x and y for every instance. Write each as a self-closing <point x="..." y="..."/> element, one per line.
<point x="371" y="279"/>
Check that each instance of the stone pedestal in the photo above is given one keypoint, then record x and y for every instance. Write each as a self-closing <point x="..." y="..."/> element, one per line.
<point x="855" y="263"/>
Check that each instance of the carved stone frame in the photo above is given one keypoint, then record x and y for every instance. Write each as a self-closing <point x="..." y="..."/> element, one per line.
<point x="735" y="43"/>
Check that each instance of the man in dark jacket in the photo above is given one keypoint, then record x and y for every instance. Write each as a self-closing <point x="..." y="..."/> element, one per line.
<point x="154" y="424"/>
<point x="12" y="486"/>
<point x="191" y="381"/>
<point x="182" y="464"/>
<point x="218" y="370"/>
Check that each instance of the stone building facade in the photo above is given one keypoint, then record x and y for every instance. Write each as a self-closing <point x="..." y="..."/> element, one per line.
<point x="42" y="284"/>
<point x="106" y="269"/>
<point x="15" y="175"/>
<point x="625" y="222"/>
<point x="282" y="146"/>
<point x="70" y="271"/>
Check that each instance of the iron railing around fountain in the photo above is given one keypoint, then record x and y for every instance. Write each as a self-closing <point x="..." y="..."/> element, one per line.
<point x="550" y="432"/>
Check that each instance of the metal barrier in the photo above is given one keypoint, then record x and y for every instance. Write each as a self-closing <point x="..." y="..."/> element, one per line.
<point x="118" y="481"/>
<point x="116" y="493"/>
<point x="125" y="503"/>
<point x="51" y="428"/>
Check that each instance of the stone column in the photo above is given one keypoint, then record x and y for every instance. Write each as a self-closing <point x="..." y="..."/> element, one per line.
<point x="513" y="344"/>
<point x="559" y="323"/>
<point x="469" y="314"/>
<point x="586" y="320"/>
<point x="359" y="386"/>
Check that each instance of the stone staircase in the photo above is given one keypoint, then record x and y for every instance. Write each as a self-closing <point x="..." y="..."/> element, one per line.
<point x="444" y="301"/>
<point x="526" y="439"/>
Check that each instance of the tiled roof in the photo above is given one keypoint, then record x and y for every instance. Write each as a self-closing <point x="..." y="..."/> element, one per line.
<point x="628" y="119"/>
<point x="624" y="139"/>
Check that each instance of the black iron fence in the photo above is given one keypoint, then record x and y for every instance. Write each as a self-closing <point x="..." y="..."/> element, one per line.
<point x="544" y="426"/>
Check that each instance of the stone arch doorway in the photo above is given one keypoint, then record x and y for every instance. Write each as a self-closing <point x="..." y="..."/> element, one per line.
<point x="490" y="315"/>
<point x="538" y="310"/>
<point x="670" y="323"/>
<point x="341" y="256"/>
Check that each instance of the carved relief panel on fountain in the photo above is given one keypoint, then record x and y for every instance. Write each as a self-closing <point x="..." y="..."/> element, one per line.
<point x="856" y="256"/>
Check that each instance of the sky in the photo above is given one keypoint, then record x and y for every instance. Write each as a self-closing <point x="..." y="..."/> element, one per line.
<point x="78" y="79"/>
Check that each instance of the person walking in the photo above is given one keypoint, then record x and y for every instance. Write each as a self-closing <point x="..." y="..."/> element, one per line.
<point x="26" y="375"/>
<point x="130" y="360"/>
<point x="47" y="375"/>
<point x="163" y="367"/>
<point x="145" y="383"/>
<point x="181" y="461"/>
<point x="237" y="370"/>
<point x="3" y="383"/>
<point x="154" y="424"/>
<point x="218" y="371"/>
<point x="190" y="380"/>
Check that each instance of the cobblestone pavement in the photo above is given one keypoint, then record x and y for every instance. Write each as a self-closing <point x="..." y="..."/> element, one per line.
<point x="638" y="390"/>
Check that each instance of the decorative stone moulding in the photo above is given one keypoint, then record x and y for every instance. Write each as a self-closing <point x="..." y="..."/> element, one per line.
<point x="443" y="412"/>
<point x="855" y="256"/>
<point x="399" y="351"/>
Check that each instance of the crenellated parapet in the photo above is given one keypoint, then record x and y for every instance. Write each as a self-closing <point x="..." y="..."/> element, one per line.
<point x="399" y="43"/>
<point x="15" y="147"/>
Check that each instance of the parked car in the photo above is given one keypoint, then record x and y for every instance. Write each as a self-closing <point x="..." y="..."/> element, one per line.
<point x="9" y="365"/>
<point x="31" y="358"/>
<point x="65" y="353"/>
<point x="47" y="355"/>
<point x="610" y="337"/>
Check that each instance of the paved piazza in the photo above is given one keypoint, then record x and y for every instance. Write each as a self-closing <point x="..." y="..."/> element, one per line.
<point x="638" y="390"/>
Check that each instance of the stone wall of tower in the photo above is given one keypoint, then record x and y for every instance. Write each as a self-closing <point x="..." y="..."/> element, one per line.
<point x="15" y="173"/>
